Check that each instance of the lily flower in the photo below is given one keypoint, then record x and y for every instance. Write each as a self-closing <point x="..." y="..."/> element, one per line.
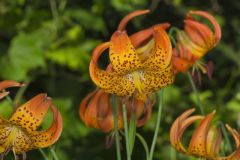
<point x="194" y="42"/>
<point x="133" y="75"/>
<point x="96" y="111"/>
<point x="7" y="84"/>
<point x="205" y="141"/>
<point x="20" y="134"/>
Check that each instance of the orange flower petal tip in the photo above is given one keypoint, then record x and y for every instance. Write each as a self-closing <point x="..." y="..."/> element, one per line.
<point x="130" y="16"/>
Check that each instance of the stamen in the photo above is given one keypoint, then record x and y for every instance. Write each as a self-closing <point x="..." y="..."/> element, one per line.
<point x="137" y="81"/>
<point x="7" y="145"/>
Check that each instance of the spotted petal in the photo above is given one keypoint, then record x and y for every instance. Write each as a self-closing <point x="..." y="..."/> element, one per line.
<point x="122" y="53"/>
<point x="197" y="145"/>
<point x="31" y="114"/>
<point x="152" y="81"/>
<point x="178" y="128"/>
<point x="162" y="52"/>
<point x="4" y="133"/>
<point x="110" y="82"/>
<point x="46" y="138"/>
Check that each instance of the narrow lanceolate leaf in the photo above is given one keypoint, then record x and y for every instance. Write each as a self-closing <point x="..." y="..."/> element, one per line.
<point x="132" y="132"/>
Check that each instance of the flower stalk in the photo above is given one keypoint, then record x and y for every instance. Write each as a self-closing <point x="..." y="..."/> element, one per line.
<point x="116" y="133"/>
<point x="125" y="122"/>
<point x="199" y="104"/>
<point x="160" y="97"/>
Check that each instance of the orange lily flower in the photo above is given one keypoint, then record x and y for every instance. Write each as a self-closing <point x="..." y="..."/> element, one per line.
<point x="20" y="133"/>
<point x="133" y="75"/>
<point x="7" y="84"/>
<point x="194" y="42"/>
<point x="205" y="141"/>
<point x="96" y="111"/>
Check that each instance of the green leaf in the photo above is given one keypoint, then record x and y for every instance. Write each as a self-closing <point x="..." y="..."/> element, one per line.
<point x="26" y="53"/>
<point x="87" y="19"/>
<point x="75" y="58"/>
<point x="132" y="132"/>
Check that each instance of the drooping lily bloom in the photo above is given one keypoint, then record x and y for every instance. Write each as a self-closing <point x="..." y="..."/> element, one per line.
<point x="7" y="84"/>
<point x="96" y="111"/>
<point x="194" y="42"/>
<point x="132" y="73"/>
<point x="20" y="134"/>
<point x="205" y="141"/>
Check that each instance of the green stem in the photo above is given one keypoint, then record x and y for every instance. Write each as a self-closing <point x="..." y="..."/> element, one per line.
<point x="144" y="143"/>
<point x="196" y="93"/>
<point x="54" y="153"/>
<point x="126" y="131"/>
<point x="117" y="139"/>
<point x="173" y="154"/>
<point x="21" y="92"/>
<point x="54" y="10"/>
<point x="132" y="132"/>
<point x="160" y="97"/>
<point x="43" y="154"/>
<point x="225" y="134"/>
<point x="9" y="99"/>
<point x="172" y="30"/>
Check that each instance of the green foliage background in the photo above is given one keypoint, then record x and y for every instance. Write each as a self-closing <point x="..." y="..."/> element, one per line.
<point x="48" y="45"/>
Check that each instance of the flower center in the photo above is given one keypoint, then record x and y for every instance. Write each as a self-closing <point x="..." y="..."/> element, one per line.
<point x="136" y="77"/>
<point x="11" y="134"/>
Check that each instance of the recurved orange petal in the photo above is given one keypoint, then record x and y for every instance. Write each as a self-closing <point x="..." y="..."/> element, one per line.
<point x="127" y="18"/>
<point x="200" y="34"/>
<point x="3" y="94"/>
<point x="198" y="143"/>
<point x="178" y="128"/>
<point x="139" y="38"/>
<point x="214" y="138"/>
<point x="84" y="104"/>
<point x="30" y="115"/>
<point x="91" y="111"/>
<point x="6" y="84"/>
<point x="46" y="138"/>
<point x="122" y="53"/>
<point x="235" y="135"/>
<point x="194" y="49"/>
<point x="217" y="28"/>
<point x="161" y="55"/>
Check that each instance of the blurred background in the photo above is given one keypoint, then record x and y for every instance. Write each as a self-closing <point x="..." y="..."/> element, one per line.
<point x="48" y="45"/>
